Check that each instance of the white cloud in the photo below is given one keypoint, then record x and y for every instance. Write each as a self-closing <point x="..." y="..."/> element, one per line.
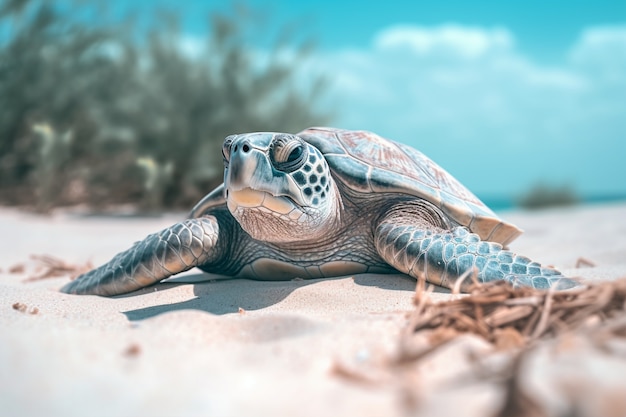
<point x="460" y="41"/>
<point x="600" y="40"/>
<point x="602" y="50"/>
<point x="492" y="115"/>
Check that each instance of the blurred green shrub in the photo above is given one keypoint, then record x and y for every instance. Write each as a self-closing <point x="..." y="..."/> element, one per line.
<point x="543" y="196"/>
<point x="94" y="111"/>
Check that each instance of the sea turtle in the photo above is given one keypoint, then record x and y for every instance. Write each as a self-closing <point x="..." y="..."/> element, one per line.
<point x="323" y="203"/>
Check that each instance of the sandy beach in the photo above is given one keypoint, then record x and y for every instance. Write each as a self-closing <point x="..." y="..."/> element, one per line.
<point x="200" y="345"/>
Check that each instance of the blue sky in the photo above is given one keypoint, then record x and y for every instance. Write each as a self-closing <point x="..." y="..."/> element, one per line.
<point x="544" y="28"/>
<point x="501" y="94"/>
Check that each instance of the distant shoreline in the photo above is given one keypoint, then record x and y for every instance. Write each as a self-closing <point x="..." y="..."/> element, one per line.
<point x="507" y="203"/>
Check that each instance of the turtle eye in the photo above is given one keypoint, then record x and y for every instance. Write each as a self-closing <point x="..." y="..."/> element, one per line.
<point x="295" y="154"/>
<point x="288" y="153"/>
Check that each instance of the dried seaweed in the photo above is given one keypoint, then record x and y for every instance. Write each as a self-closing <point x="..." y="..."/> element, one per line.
<point x="46" y="266"/>
<point x="23" y="308"/>
<point x="582" y="262"/>
<point x="508" y="316"/>
<point x="517" y="403"/>
<point x="132" y="351"/>
<point x="514" y="320"/>
<point x="348" y="373"/>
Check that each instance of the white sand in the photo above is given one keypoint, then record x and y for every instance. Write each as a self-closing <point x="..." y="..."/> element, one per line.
<point x="185" y="348"/>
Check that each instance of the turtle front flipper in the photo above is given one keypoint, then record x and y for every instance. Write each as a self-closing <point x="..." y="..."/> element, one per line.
<point x="175" y="249"/>
<point x="442" y="256"/>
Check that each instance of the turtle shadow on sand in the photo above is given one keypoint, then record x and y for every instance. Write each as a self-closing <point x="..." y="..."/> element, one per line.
<point x="227" y="296"/>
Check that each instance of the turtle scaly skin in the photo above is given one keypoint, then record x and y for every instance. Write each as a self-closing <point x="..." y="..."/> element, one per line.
<point x="176" y="249"/>
<point x="441" y="256"/>
<point x="326" y="203"/>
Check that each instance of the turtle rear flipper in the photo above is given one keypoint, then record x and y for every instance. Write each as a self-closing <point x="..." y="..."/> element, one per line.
<point x="442" y="256"/>
<point x="175" y="249"/>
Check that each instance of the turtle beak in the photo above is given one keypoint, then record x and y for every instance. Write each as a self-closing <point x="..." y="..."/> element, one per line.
<point x="248" y="167"/>
<point x="253" y="170"/>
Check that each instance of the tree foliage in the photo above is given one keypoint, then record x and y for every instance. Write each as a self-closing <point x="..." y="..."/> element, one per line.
<point x="95" y="111"/>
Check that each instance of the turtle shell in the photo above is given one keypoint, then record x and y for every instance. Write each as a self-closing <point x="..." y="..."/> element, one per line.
<point x="369" y="163"/>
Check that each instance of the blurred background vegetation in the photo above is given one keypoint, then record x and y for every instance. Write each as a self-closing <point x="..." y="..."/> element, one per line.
<point x="103" y="114"/>
<point x="101" y="109"/>
<point x="543" y="195"/>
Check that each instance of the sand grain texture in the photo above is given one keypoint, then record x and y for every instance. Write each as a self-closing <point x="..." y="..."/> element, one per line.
<point x="200" y="346"/>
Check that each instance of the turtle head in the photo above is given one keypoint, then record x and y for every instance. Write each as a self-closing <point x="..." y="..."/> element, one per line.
<point x="278" y="187"/>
